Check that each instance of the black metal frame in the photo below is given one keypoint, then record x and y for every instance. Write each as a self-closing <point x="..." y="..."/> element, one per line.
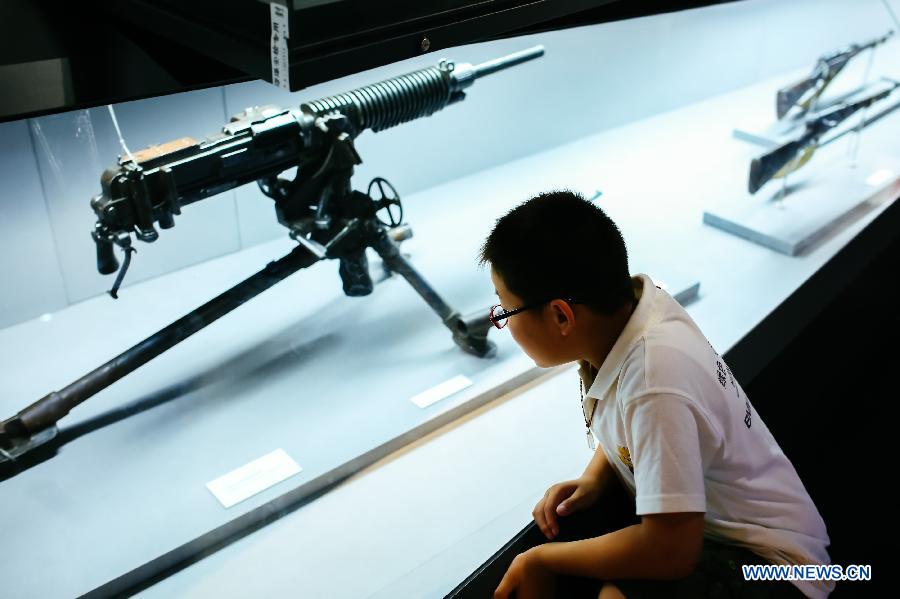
<point x="121" y="50"/>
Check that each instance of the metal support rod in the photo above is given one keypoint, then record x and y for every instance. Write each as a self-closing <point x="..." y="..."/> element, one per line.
<point x="390" y="253"/>
<point x="469" y="331"/>
<point x="45" y="412"/>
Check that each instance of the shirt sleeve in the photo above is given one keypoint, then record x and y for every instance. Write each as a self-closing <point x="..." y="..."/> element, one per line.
<point x="670" y="441"/>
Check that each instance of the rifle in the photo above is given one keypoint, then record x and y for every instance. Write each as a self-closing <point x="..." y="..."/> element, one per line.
<point x="792" y="155"/>
<point x="327" y="218"/>
<point x="806" y="92"/>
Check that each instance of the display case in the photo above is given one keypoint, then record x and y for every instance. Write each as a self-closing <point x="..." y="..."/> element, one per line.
<point x="57" y="57"/>
<point x="741" y="159"/>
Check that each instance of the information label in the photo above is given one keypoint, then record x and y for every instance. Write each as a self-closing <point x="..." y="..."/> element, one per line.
<point x="252" y="478"/>
<point x="442" y="391"/>
<point x="281" y="67"/>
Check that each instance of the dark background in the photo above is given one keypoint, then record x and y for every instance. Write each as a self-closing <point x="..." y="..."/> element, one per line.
<point x="109" y="51"/>
<point x="830" y="398"/>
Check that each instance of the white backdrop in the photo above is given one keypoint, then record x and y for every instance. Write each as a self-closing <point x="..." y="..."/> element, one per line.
<point x="591" y="79"/>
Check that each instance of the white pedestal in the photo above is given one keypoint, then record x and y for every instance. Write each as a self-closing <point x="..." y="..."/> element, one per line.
<point x="820" y="198"/>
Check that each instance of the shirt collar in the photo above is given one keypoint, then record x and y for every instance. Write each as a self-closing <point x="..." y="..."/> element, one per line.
<point x="645" y="314"/>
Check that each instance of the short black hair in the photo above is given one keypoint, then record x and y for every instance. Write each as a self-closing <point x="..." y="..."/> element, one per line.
<point x="558" y="244"/>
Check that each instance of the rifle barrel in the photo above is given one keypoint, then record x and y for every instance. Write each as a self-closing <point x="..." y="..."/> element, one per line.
<point x="863" y="124"/>
<point x="878" y="40"/>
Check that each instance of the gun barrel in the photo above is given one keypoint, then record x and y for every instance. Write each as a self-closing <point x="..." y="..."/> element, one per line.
<point x="504" y="62"/>
<point x="388" y="103"/>
<point x="836" y="116"/>
<point x="877" y="41"/>
<point x="867" y="121"/>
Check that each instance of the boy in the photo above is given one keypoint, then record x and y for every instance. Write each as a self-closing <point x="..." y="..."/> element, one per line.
<point x="711" y="485"/>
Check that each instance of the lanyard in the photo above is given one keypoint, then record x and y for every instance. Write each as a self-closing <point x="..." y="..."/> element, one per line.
<point x="589" y="419"/>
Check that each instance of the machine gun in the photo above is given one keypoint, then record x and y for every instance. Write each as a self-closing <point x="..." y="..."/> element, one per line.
<point x="327" y="218"/>
<point x="806" y="92"/>
<point x="792" y="155"/>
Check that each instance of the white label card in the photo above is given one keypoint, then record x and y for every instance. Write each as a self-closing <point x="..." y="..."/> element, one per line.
<point x="252" y="478"/>
<point x="879" y="177"/>
<point x="281" y="64"/>
<point x="442" y="391"/>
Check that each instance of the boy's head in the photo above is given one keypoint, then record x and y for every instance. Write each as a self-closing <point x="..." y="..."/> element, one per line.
<point x="558" y="245"/>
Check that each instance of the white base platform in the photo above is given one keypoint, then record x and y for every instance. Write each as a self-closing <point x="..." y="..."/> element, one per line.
<point x="814" y="203"/>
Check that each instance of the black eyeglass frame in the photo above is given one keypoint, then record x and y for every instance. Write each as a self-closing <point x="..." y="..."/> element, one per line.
<point x="496" y="318"/>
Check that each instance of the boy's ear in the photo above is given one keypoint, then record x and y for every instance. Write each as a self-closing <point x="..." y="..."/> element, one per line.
<point x="562" y="313"/>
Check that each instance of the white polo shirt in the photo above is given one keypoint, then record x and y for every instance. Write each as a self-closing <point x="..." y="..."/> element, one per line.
<point x="683" y="437"/>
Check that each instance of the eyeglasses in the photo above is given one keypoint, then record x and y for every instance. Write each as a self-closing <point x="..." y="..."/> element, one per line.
<point x="498" y="315"/>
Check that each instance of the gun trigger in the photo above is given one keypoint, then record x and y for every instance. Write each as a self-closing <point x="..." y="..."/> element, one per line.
<point x="114" y="292"/>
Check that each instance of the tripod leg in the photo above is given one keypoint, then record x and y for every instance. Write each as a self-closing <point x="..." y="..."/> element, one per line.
<point x="36" y="424"/>
<point x="469" y="332"/>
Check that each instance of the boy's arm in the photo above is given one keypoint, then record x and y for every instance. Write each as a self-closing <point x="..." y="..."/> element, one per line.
<point x="600" y="469"/>
<point x="665" y="442"/>
<point x="568" y="497"/>
<point x="662" y="546"/>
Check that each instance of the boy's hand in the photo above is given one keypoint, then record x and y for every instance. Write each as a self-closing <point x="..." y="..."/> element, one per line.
<point x="563" y="499"/>
<point x="527" y="577"/>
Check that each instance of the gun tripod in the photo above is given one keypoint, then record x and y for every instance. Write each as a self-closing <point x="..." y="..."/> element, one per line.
<point x="331" y="220"/>
<point x="326" y="217"/>
<point x="349" y="246"/>
<point x="341" y="225"/>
